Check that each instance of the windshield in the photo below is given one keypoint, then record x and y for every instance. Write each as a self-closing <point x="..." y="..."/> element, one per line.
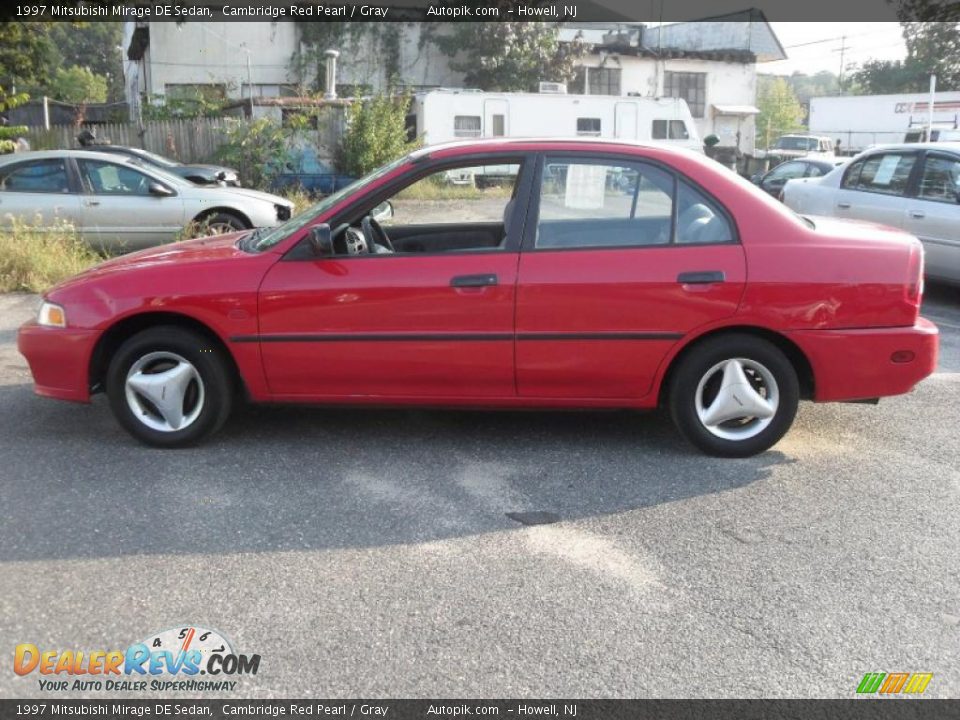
<point x="796" y="143"/>
<point x="154" y="158"/>
<point x="265" y="239"/>
<point x="160" y="173"/>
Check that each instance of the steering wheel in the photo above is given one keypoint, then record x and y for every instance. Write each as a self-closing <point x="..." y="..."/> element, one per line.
<point x="375" y="235"/>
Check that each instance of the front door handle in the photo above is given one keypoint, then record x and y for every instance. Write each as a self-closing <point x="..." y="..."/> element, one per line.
<point x="473" y="281"/>
<point x="701" y="277"/>
<point x="91" y="203"/>
<point x="843" y="205"/>
<point x="917" y="214"/>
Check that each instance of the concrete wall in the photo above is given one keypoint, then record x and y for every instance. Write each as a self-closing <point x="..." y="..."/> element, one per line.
<point x="421" y="65"/>
<point x="214" y="53"/>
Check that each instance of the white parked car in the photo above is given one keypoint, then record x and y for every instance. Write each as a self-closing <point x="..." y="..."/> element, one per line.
<point x="119" y="206"/>
<point x="909" y="186"/>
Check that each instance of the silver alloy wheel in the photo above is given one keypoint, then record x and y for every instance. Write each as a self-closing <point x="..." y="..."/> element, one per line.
<point x="164" y="391"/>
<point x="737" y="399"/>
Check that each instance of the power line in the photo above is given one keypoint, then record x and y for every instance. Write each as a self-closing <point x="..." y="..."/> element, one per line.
<point x="834" y="39"/>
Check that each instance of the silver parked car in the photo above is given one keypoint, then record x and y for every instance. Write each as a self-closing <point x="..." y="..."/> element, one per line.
<point x="119" y="206"/>
<point x="914" y="187"/>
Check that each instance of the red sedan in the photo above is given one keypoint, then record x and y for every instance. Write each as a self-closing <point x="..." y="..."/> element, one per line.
<point x="567" y="274"/>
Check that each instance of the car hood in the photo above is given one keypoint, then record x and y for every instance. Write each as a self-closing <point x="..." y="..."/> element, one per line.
<point x="247" y="193"/>
<point x="218" y="247"/>
<point x="205" y="170"/>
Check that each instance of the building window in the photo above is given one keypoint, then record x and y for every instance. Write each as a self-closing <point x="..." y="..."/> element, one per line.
<point x="588" y="126"/>
<point x="466" y="126"/>
<point x="692" y="87"/>
<point x="597" y="81"/>
<point x="670" y="130"/>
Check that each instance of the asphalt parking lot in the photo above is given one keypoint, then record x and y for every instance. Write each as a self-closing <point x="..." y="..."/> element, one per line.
<point x="368" y="553"/>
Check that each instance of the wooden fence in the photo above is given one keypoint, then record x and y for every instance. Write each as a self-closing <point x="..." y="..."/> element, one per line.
<point x="188" y="141"/>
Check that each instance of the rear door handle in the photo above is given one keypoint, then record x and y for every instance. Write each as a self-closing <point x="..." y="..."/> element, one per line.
<point x="701" y="277"/>
<point x="91" y="203"/>
<point x="473" y="281"/>
<point x="918" y="215"/>
<point x="843" y="205"/>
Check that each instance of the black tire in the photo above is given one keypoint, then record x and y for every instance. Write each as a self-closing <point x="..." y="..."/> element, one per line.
<point x="701" y="359"/>
<point x="224" y="222"/>
<point x="211" y="404"/>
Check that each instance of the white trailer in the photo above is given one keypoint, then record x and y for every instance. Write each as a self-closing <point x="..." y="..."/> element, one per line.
<point x="445" y="115"/>
<point x="859" y="121"/>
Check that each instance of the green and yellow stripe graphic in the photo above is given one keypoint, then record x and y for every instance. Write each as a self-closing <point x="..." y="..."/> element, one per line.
<point x="894" y="683"/>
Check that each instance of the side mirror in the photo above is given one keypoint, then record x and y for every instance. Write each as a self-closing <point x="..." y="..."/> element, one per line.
<point x="383" y="211"/>
<point x="321" y="240"/>
<point x="159" y="190"/>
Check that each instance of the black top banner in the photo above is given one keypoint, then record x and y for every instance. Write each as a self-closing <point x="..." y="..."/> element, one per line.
<point x="480" y="11"/>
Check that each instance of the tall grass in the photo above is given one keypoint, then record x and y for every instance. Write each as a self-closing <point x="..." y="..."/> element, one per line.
<point x="34" y="259"/>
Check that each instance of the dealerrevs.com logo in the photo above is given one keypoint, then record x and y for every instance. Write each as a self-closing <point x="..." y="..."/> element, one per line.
<point x="171" y="660"/>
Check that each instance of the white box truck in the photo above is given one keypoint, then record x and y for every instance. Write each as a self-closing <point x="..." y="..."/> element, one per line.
<point x="859" y="121"/>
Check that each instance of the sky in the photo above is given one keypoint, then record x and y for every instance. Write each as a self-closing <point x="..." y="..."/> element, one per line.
<point x="815" y="46"/>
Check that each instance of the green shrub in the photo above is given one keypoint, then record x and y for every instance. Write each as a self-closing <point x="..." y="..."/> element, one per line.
<point x="376" y="134"/>
<point x="32" y="260"/>
<point x="257" y="149"/>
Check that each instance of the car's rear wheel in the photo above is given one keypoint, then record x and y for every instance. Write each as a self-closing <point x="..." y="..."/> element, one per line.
<point x="222" y="223"/>
<point x="734" y="395"/>
<point x="170" y="387"/>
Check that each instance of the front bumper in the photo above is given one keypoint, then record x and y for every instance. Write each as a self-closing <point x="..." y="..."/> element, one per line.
<point x="859" y="364"/>
<point x="59" y="360"/>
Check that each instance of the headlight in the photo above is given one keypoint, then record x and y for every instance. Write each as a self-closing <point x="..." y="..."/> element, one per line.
<point x="51" y="315"/>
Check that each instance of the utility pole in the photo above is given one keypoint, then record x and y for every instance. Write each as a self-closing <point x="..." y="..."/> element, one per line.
<point x="843" y="50"/>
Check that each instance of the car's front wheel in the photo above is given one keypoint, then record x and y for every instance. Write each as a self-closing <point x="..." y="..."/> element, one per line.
<point x="734" y="395"/>
<point x="222" y="223"/>
<point x="169" y="387"/>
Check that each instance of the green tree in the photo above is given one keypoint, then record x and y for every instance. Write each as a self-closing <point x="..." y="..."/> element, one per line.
<point x="376" y="134"/>
<point x="780" y="111"/>
<point x="509" y="56"/>
<point x="26" y="54"/>
<point x="818" y="85"/>
<point x="78" y="86"/>
<point x="10" y="133"/>
<point x="932" y="48"/>
<point x="95" y="45"/>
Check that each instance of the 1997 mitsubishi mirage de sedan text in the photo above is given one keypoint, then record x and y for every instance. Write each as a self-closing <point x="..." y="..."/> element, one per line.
<point x="600" y="275"/>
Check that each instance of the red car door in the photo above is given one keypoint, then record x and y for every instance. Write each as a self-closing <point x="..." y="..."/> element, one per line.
<point x="621" y="259"/>
<point x="433" y="318"/>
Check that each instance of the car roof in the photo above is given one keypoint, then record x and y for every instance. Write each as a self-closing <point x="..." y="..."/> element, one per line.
<point x="542" y="143"/>
<point x="948" y="145"/>
<point x="48" y="154"/>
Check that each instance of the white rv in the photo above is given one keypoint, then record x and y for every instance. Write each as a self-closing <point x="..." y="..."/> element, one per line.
<point x="443" y="115"/>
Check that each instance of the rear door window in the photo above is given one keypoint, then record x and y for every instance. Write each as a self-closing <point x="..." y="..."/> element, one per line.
<point x="35" y="176"/>
<point x="886" y="173"/>
<point x="604" y="204"/>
